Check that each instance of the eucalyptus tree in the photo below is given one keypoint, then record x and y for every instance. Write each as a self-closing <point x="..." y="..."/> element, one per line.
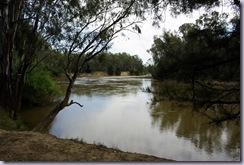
<point x="22" y="23"/>
<point x="28" y="26"/>
<point x="88" y="27"/>
<point x="206" y="55"/>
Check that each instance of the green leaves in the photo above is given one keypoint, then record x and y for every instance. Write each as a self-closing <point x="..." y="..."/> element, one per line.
<point x="113" y="64"/>
<point x="39" y="87"/>
<point x="199" y="49"/>
<point x="205" y="55"/>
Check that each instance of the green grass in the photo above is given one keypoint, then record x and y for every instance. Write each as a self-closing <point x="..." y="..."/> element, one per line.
<point x="7" y="123"/>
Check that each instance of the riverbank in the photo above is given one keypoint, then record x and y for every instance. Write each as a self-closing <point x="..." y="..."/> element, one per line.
<point x="35" y="146"/>
<point x="17" y="144"/>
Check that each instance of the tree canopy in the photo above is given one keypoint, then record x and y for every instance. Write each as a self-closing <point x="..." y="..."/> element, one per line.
<point x="205" y="55"/>
<point x="83" y="27"/>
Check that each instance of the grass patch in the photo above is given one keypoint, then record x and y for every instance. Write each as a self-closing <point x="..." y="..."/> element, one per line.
<point x="77" y="140"/>
<point x="100" y="145"/>
<point x="7" y="123"/>
<point x="103" y="146"/>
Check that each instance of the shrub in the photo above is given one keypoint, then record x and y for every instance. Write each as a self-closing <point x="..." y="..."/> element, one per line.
<point x="40" y="88"/>
<point x="7" y="123"/>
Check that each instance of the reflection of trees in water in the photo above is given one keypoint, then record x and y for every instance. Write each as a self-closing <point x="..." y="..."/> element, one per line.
<point x="233" y="142"/>
<point x="173" y="117"/>
<point x="202" y="135"/>
<point x="165" y="116"/>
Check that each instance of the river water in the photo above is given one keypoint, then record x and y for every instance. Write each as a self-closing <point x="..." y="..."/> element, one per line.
<point x="118" y="114"/>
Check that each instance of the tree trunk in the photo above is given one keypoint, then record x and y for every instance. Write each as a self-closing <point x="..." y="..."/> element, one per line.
<point x="6" y="92"/>
<point x="10" y="97"/>
<point x="40" y="127"/>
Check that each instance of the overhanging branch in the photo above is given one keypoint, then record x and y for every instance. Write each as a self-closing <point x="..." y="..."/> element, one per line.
<point x="73" y="102"/>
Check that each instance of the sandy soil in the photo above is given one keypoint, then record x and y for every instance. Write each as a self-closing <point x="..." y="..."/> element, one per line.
<point x="34" y="146"/>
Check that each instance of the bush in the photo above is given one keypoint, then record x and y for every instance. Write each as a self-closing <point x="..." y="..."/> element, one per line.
<point x="40" y="88"/>
<point x="7" y="123"/>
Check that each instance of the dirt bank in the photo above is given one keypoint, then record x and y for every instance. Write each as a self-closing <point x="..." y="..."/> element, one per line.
<point x="33" y="146"/>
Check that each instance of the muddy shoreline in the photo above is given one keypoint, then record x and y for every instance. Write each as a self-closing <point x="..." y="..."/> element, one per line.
<point x="34" y="146"/>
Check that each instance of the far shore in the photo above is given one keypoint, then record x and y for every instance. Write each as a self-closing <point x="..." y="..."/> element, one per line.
<point x="102" y="74"/>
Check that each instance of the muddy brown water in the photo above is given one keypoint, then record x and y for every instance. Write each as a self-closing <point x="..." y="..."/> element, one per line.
<point x="118" y="114"/>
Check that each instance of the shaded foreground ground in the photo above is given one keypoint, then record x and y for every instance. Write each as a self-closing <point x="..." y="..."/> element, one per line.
<point x="34" y="146"/>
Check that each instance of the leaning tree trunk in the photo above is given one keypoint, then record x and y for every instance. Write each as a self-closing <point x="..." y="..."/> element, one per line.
<point x="40" y="127"/>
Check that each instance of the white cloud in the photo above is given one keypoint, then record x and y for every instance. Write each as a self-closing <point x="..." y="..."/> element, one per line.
<point x="137" y="44"/>
<point x="140" y="43"/>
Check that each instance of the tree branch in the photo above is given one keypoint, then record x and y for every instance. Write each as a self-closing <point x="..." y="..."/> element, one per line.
<point x="73" y="102"/>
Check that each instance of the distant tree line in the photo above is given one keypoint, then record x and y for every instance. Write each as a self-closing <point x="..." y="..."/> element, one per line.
<point x="112" y="64"/>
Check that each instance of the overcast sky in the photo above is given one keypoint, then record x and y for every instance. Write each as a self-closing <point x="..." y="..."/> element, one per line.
<point x="138" y="44"/>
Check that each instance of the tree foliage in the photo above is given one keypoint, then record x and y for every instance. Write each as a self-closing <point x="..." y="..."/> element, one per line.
<point x="39" y="88"/>
<point x="87" y="30"/>
<point x="208" y="48"/>
<point x="205" y="55"/>
<point x="86" y="27"/>
<point x="115" y="63"/>
<point x="20" y="45"/>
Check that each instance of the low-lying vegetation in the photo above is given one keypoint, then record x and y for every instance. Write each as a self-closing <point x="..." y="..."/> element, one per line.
<point x="7" y="123"/>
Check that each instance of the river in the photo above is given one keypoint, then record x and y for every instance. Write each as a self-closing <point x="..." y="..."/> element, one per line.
<point x="118" y="114"/>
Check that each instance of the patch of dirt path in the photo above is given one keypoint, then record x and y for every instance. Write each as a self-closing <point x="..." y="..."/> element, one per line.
<point x="34" y="146"/>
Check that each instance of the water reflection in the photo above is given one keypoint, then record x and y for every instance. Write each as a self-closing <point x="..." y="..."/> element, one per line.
<point x="118" y="114"/>
<point x="170" y="115"/>
<point x="33" y="115"/>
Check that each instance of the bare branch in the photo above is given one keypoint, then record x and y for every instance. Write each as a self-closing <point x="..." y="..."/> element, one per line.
<point x="73" y="102"/>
